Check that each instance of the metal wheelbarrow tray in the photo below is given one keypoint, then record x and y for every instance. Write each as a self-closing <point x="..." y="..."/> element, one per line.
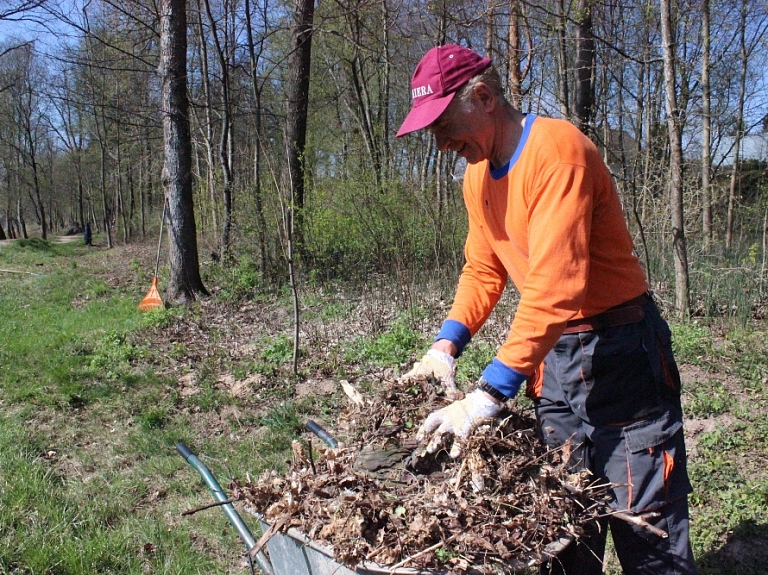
<point x="292" y="553"/>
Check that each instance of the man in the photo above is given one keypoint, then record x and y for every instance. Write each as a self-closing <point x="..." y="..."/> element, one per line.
<point x="586" y="338"/>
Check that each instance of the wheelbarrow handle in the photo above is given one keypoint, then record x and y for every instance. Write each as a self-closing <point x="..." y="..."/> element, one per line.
<point x="184" y="451"/>
<point x="321" y="433"/>
<point x="221" y="497"/>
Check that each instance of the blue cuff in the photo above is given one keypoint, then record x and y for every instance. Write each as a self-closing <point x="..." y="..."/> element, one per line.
<point x="456" y="332"/>
<point x="503" y="378"/>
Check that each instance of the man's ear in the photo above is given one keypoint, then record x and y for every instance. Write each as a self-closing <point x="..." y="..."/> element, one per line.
<point x="485" y="96"/>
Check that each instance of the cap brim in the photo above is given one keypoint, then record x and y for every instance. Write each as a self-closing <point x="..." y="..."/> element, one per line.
<point x="422" y="116"/>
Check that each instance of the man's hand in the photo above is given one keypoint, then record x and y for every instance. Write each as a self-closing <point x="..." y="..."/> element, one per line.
<point x="459" y="419"/>
<point x="439" y="365"/>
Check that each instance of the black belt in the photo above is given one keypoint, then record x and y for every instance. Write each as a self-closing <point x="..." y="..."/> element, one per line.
<point x="628" y="312"/>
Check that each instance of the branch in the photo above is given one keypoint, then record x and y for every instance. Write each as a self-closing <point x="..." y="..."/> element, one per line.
<point x="204" y="507"/>
<point x="422" y="552"/>
<point x="640" y="521"/>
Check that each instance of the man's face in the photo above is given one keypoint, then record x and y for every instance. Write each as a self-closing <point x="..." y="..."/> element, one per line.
<point x="461" y="128"/>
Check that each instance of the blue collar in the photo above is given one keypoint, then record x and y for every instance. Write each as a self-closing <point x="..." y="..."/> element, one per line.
<point x="498" y="173"/>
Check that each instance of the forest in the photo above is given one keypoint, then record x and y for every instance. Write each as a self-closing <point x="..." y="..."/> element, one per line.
<point x="292" y="111"/>
<point x="246" y="149"/>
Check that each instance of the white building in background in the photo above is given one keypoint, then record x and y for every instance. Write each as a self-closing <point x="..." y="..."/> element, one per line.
<point x="751" y="147"/>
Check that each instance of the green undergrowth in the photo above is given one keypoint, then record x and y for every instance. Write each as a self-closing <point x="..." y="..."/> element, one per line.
<point x="388" y="348"/>
<point x="726" y="404"/>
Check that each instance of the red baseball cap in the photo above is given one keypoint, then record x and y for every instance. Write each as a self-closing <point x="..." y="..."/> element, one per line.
<point x="439" y="75"/>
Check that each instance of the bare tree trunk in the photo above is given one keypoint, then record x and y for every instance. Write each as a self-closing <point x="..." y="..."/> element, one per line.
<point x="29" y="146"/>
<point x="91" y="209"/>
<point x="288" y="222"/>
<point x="298" y="103"/>
<point x="646" y="111"/>
<point x="363" y="104"/>
<point x="765" y="245"/>
<point x="184" y="283"/>
<point x="490" y="25"/>
<point x="131" y="199"/>
<point x="629" y="168"/>
<point x="513" y="58"/>
<point x="385" y="91"/>
<point x="682" y="304"/>
<point x="442" y="23"/>
<point x="142" y="199"/>
<point x="706" y="129"/>
<point x="104" y="204"/>
<point x="743" y="58"/>
<point x="149" y="185"/>
<point x="258" y="146"/>
<point x="8" y="223"/>
<point x="207" y="129"/>
<point x="22" y="222"/>
<point x="120" y="199"/>
<point x="80" y="191"/>
<point x="584" y="99"/>
<point x="439" y="184"/>
<point x="562" y="84"/>
<point x="8" y="205"/>
<point x="38" y="198"/>
<point x="225" y="143"/>
<point x="425" y="165"/>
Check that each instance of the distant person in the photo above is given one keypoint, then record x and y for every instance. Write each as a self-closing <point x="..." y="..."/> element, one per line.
<point x="587" y="338"/>
<point x="87" y="233"/>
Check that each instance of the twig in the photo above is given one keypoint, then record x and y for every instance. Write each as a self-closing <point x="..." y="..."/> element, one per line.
<point x="19" y="272"/>
<point x="457" y="479"/>
<point x="311" y="458"/>
<point x="543" y="456"/>
<point x="374" y="552"/>
<point x="264" y="539"/>
<point x="640" y="521"/>
<point x="422" y="552"/>
<point x="204" y="507"/>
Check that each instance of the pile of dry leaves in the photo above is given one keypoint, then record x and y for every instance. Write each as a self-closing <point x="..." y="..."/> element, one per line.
<point x="380" y="498"/>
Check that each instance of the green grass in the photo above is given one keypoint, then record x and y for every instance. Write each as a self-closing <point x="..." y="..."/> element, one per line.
<point x="89" y="478"/>
<point x="692" y="342"/>
<point x="388" y="348"/>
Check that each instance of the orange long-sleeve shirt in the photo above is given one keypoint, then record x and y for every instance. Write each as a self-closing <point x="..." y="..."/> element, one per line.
<point x="554" y="224"/>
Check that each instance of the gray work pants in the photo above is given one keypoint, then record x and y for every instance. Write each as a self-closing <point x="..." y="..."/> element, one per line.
<point x="614" y="393"/>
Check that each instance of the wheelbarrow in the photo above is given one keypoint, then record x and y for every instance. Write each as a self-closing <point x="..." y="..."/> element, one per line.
<point x="292" y="553"/>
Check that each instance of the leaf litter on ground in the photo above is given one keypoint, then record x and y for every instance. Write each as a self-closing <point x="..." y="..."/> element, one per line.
<point x="507" y="501"/>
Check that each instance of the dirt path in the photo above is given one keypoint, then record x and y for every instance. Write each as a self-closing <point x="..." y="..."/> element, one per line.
<point x="52" y="239"/>
<point x="67" y="239"/>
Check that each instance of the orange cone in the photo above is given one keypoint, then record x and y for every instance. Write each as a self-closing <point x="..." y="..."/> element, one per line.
<point x="152" y="300"/>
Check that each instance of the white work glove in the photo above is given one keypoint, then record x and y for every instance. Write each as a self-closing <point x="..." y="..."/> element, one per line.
<point x="439" y="365"/>
<point x="459" y="419"/>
